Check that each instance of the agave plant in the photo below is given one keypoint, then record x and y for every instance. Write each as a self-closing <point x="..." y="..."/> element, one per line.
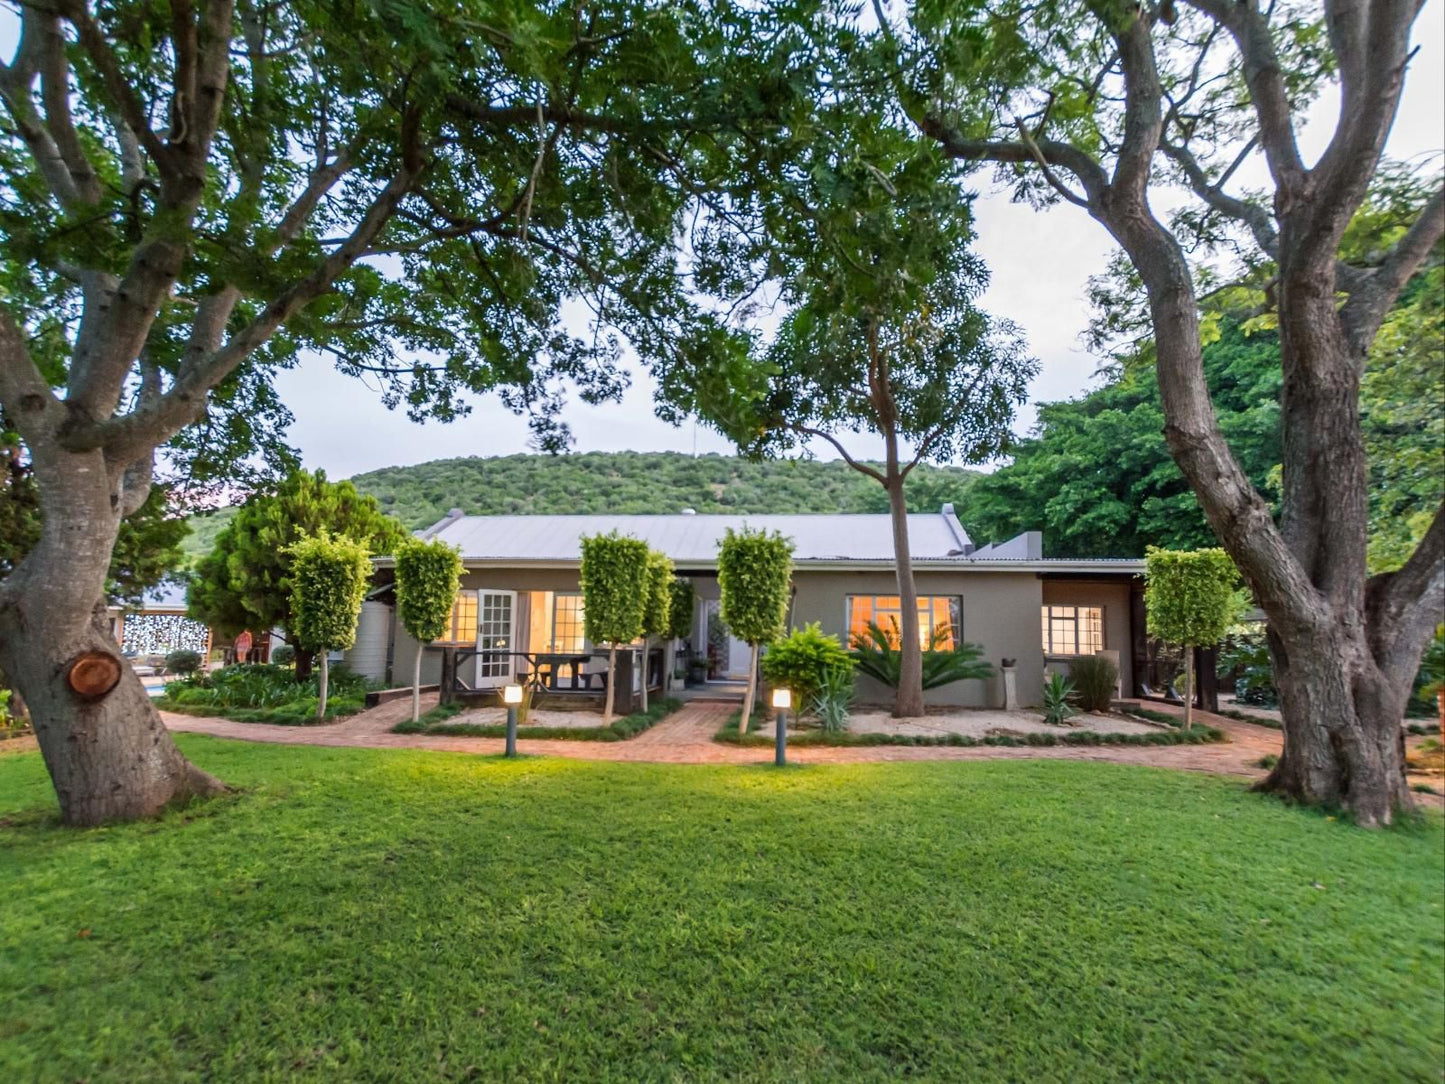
<point x="879" y="657"/>
<point x="834" y="698"/>
<point x="1057" y="692"/>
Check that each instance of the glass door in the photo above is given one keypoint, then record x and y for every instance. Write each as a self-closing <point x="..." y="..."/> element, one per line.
<point x="496" y="634"/>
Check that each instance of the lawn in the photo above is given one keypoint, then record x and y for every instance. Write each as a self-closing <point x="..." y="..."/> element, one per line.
<point x="369" y="915"/>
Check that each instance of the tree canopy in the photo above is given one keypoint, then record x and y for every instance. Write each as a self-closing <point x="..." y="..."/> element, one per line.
<point x="428" y="573"/>
<point x="246" y="579"/>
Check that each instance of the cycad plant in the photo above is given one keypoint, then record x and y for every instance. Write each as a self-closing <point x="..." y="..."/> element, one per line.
<point x="879" y="657"/>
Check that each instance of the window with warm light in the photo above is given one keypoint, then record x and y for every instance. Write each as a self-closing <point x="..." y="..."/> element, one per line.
<point x="568" y="626"/>
<point x="940" y="619"/>
<point x="1073" y="630"/>
<point x="463" y="628"/>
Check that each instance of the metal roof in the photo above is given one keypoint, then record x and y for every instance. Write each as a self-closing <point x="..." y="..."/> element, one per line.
<point x="937" y="540"/>
<point x="693" y="539"/>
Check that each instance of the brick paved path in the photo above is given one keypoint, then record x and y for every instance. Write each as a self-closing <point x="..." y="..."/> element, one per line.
<point x="686" y="738"/>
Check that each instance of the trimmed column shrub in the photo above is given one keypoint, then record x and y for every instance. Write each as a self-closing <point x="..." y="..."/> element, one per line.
<point x="329" y="577"/>
<point x="1191" y="599"/>
<point x="615" y="582"/>
<point x="657" y="614"/>
<point x="427" y="577"/>
<point x="754" y="572"/>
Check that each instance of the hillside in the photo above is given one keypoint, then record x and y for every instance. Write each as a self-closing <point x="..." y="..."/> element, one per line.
<point x="594" y="482"/>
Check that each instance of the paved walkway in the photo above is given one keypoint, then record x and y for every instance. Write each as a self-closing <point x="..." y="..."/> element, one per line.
<point x="686" y="738"/>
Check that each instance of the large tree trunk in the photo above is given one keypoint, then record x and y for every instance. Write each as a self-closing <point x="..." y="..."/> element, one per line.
<point x="1343" y="660"/>
<point x="908" y="702"/>
<point x="110" y="758"/>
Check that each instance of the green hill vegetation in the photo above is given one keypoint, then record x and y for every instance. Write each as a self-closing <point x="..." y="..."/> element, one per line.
<point x="637" y="482"/>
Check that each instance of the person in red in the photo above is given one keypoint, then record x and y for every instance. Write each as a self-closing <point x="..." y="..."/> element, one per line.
<point x="243" y="646"/>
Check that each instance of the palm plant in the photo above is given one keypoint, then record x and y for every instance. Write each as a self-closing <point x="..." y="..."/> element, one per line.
<point x="879" y="657"/>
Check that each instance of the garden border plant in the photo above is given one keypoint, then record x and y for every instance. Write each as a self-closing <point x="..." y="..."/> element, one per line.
<point x="433" y="723"/>
<point x="272" y="695"/>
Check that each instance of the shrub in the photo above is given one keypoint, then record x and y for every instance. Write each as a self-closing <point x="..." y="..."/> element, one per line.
<point x="283" y="655"/>
<point x="1094" y="678"/>
<point x="880" y="659"/>
<point x="261" y="692"/>
<point x="802" y="662"/>
<point x="834" y="699"/>
<point x="6" y="720"/>
<point x="183" y="662"/>
<point x="1057" y="691"/>
<point x="1245" y="661"/>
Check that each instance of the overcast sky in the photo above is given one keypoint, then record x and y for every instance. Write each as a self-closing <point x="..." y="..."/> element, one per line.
<point x="1039" y="262"/>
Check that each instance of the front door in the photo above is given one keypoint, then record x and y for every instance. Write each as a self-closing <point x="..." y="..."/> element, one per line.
<point x="496" y="638"/>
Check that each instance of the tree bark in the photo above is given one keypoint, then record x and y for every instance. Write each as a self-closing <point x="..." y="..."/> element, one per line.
<point x="607" y="698"/>
<point x="908" y="701"/>
<point x="1342" y="666"/>
<point x="109" y="758"/>
<point x="646" y="644"/>
<point x="1188" y="687"/>
<point x="305" y="661"/>
<point x="325" y="657"/>
<point x="416" y="685"/>
<point x="750" y="695"/>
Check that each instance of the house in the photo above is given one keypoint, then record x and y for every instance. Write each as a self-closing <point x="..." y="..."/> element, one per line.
<point x="520" y="609"/>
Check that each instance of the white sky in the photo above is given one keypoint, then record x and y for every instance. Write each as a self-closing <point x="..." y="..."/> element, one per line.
<point x="1040" y="263"/>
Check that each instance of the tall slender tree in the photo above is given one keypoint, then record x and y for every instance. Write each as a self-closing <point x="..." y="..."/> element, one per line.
<point x="868" y="244"/>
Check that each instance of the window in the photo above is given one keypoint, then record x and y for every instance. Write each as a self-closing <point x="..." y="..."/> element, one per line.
<point x="568" y="632"/>
<point x="1073" y="630"/>
<point x="940" y="618"/>
<point x="464" y="620"/>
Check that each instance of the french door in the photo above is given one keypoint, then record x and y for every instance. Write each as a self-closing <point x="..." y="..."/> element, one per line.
<point x="496" y="638"/>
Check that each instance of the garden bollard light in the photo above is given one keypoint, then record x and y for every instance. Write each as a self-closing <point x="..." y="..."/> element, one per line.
<point x="512" y="697"/>
<point x="782" y="701"/>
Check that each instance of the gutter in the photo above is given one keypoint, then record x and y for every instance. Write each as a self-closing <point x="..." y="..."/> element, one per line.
<point x="832" y="564"/>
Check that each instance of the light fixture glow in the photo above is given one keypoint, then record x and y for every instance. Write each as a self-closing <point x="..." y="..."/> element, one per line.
<point x="511" y="694"/>
<point x="783" y="698"/>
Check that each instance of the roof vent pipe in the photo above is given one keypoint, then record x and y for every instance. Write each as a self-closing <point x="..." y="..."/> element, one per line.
<point x="689" y="511"/>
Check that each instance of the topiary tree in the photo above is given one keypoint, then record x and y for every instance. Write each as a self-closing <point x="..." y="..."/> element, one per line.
<point x="329" y="577"/>
<point x="1191" y="599"/>
<point x="754" y="570"/>
<point x="427" y="577"/>
<point x="681" y="603"/>
<point x="245" y="581"/>
<point x="615" y="580"/>
<point x="657" y="614"/>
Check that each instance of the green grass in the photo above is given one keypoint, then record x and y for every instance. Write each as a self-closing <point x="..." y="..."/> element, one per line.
<point x="368" y="915"/>
<point x="628" y="726"/>
<point x="728" y="734"/>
